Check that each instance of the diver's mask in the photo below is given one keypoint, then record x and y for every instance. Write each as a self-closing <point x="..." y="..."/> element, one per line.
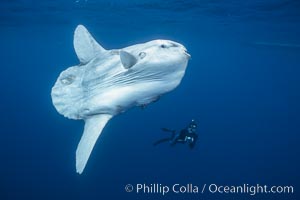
<point x="192" y="127"/>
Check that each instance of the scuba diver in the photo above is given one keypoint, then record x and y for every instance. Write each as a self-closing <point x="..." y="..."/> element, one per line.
<point x="187" y="135"/>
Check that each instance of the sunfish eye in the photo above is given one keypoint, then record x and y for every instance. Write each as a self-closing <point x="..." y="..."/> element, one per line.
<point x="163" y="46"/>
<point x="142" y="55"/>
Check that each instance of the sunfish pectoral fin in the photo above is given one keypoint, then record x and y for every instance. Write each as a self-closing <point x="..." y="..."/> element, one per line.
<point x="92" y="129"/>
<point x="127" y="59"/>
<point x="85" y="45"/>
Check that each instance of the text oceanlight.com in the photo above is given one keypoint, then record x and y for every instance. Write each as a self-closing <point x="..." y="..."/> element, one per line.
<point x="163" y="189"/>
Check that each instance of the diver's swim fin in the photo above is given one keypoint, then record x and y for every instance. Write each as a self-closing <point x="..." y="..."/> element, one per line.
<point x="162" y="141"/>
<point x="168" y="130"/>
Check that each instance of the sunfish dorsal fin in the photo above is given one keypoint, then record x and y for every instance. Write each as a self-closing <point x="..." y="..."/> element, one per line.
<point x="85" y="45"/>
<point x="92" y="129"/>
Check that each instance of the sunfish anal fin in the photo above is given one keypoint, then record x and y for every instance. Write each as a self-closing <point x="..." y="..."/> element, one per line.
<point x="92" y="130"/>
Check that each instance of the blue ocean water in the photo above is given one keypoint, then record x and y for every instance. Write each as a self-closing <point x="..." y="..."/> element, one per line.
<point x="241" y="86"/>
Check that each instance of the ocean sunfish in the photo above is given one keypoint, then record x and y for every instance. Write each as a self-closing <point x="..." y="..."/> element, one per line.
<point x="108" y="82"/>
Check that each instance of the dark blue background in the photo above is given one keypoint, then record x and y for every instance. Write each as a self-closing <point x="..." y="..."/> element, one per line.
<point x="241" y="85"/>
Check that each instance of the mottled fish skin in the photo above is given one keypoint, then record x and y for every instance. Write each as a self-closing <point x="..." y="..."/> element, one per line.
<point x="108" y="82"/>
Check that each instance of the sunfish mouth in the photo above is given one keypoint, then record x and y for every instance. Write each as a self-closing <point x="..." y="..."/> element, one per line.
<point x="187" y="54"/>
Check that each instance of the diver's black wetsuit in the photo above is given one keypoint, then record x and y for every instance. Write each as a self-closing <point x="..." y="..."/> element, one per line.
<point x="192" y="138"/>
<point x="187" y="135"/>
